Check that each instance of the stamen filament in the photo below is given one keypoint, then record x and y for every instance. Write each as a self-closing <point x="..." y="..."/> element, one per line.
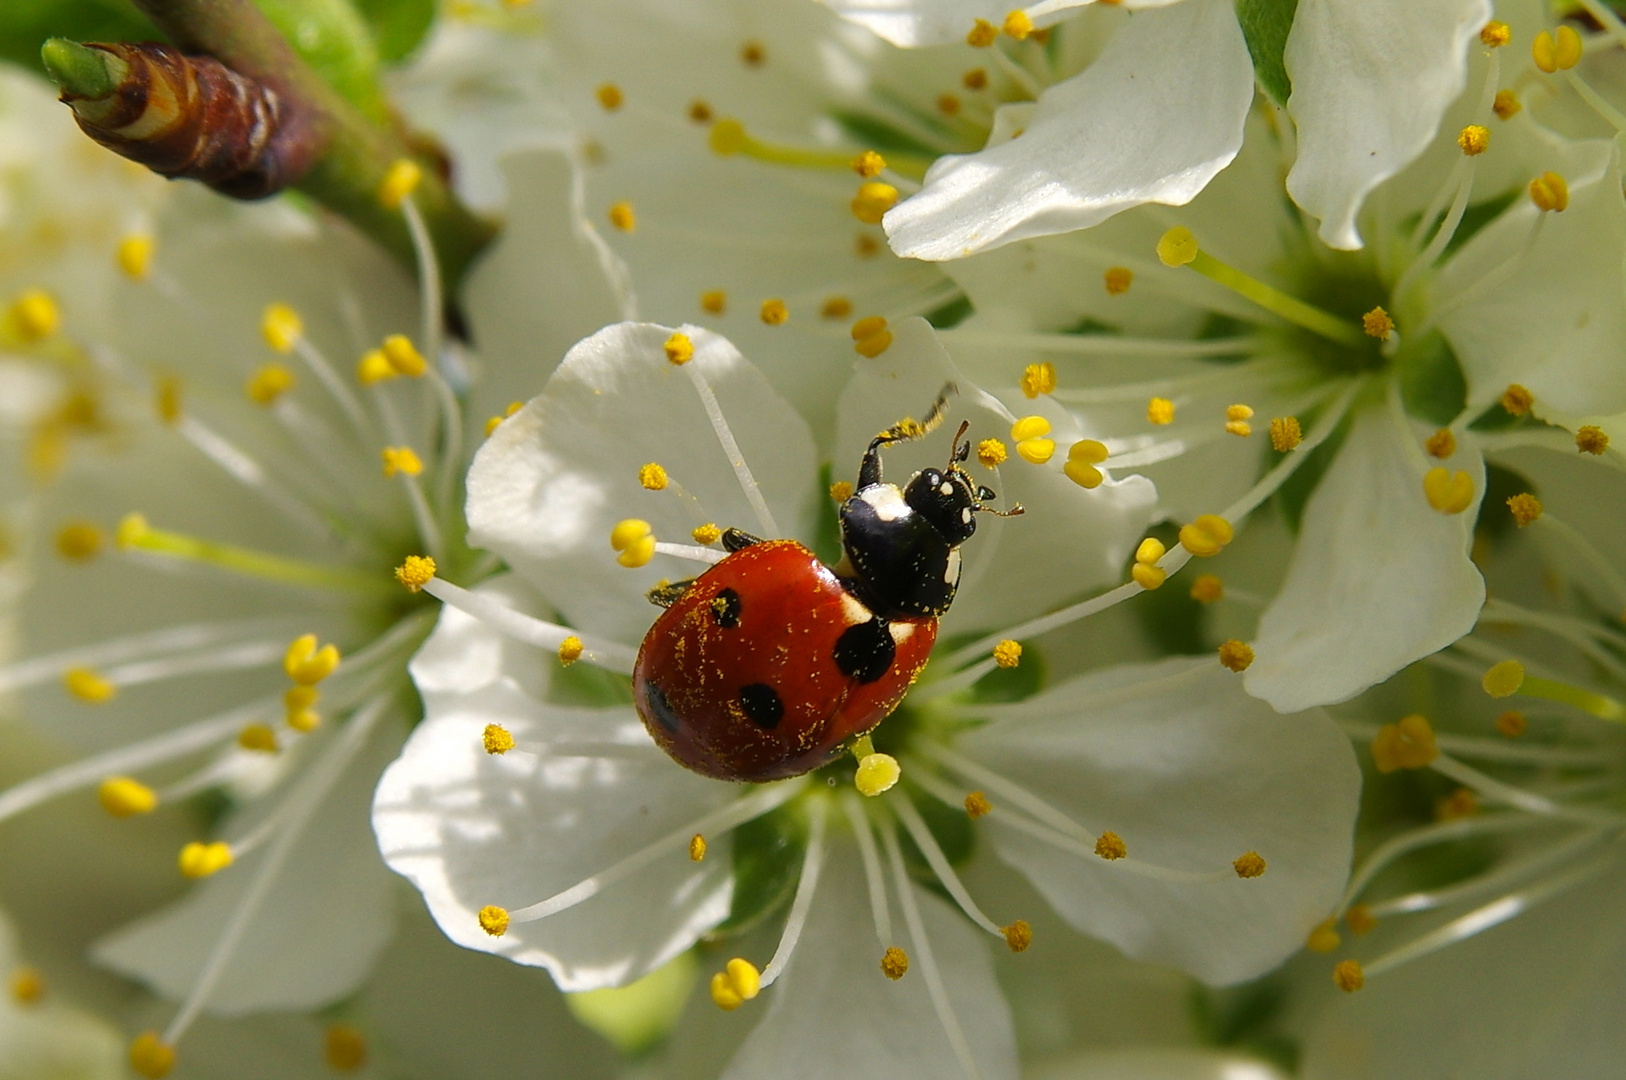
<point x="691" y="551"/>
<point x="430" y="302"/>
<point x="1608" y="112"/>
<point x="157" y="643"/>
<point x="1500" y="749"/>
<point x="1277" y="476"/>
<point x="872" y="867"/>
<point x="226" y="658"/>
<point x="1464" y="171"/>
<point x="335" y="386"/>
<point x="1273" y="300"/>
<point x="1110" y="345"/>
<point x="1488" y="883"/>
<point x="927" y="843"/>
<point x="1583" y="635"/>
<point x="1595" y="559"/>
<point x="251" y="563"/>
<point x="1493" y="278"/>
<point x="812" y="862"/>
<point x="1599" y="705"/>
<point x="729" y="136"/>
<point x="1438" y="832"/>
<point x="1607" y="19"/>
<point x="428" y="527"/>
<point x="527" y="628"/>
<point x="1018" y="74"/>
<point x="731" y="449"/>
<point x="1495" y="790"/>
<point x="245" y="470"/>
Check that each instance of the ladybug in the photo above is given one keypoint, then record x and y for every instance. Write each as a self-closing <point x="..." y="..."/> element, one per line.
<point x="770" y="664"/>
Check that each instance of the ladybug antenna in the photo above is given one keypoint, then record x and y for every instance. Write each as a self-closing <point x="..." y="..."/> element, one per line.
<point x="960" y="450"/>
<point x="983" y="494"/>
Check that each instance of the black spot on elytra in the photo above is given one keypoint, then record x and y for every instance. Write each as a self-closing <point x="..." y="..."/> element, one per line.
<point x="864" y="651"/>
<point x="726" y="607"/>
<point x="762" y="705"/>
<point x="660" y="708"/>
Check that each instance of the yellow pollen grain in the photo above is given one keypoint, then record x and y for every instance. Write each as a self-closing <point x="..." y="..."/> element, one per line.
<point x="415" y="572"/>
<point x="1461" y="803"/>
<point x="27" y="985"/>
<point x="841" y="491"/>
<point x="494" y="920"/>
<point x="1549" y="192"/>
<point x="1117" y="280"/>
<point x="868" y="164"/>
<point x="1111" y="846"/>
<point x="1591" y="440"/>
<point x="1377" y="323"/>
<point x="1517" y="400"/>
<point x="1506" y="105"/>
<point x="838" y="307"/>
<point x="1206" y="536"/>
<point x="774" y="312"/>
<point x="1495" y="34"/>
<point x="496" y="739"/>
<point x="1008" y="653"/>
<point x="1207" y="589"/>
<point x="1018" y="935"/>
<point x="1473" y="140"/>
<point x="1512" y="724"/>
<point x="948" y="104"/>
<point x="306" y="664"/>
<point x="201" y="860"/>
<point x="1235" y="655"/>
<point x="1525" y="508"/>
<point x="344" y="1047"/>
<point x="697" y="848"/>
<point x="1285" y="433"/>
<point x="403" y="356"/>
<point x="1038" y="379"/>
<point x="873" y="200"/>
<point x="1407" y="744"/>
<point x="894" y="963"/>
<point x="80" y="541"/>
<point x="652" y="477"/>
<point x="400" y="460"/>
<point x="1177" y="247"/>
<point x="991" y="453"/>
<point x="1323" y="939"/>
<point x="1160" y="411"/>
<point x="876" y="774"/>
<point x="89" y="685"/>
<point x="609" y="96"/>
<point x="1348" y="976"/>
<point x="269" y="383"/>
<point x="151" y="1056"/>
<point x="982" y="34"/>
<point x="134" y="256"/>
<point x="706" y="534"/>
<point x="1360" y="918"/>
<point x="1018" y="25"/>
<point x="401" y="179"/>
<point x="125" y="797"/>
<point x="623" y="217"/>
<point x="1442" y="444"/>
<point x="374" y="367"/>
<point x="1446" y="491"/>
<point x="1504" y="679"/>
<point x="977" y="805"/>
<point x="699" y="111"/>
<point x="570" y="650"/>
<point x="975" y="79"/>
<point x="1249" y="864"/>
<point x="34" y="315"/>
<point x="679" y="349"/>
<point x="258" y="738"/>
<point x="714" y="302"/>
<point x="752" y="54"/>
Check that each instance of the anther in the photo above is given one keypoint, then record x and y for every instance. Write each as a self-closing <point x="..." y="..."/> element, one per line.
<point x="27" y="985"/>
<point x="873" y="200"/>
<point x="1236" y="420"/>
<point x="1461" y="803"/>
<point x="124" y="797"/>
<point x="1160" y="411"/>
<point x="652" y="477"/>
<point x="1235" y="655"/>
<point x="1206" y="536"/>
<point x="80" y="541"/>
<point x="697" y="848"/>
<point x="299" y="703"/>
<point x="134" y="256"/>
<point x="1018" y="935"/>
<point x="1031" y="444"/>
<point x="281" y="327"/>
<point x="306" y="664"/>
<point x="623" y="217"/>
<point x="1110" y="846"/>
<point x="609" y="96"/>
<point x="835" y="307"/>
<point x="400" y="460"/>
<point x="991" y="453"/>
<point x="876" y="774"/>
<point x="1506" y="105"/>
<point x="738" y="983"/>
<point x="1503" y="679"/>
<point x="1177" y="247"/>
<point x="1591" y="440"/>
<point x="89" y="685"/>
<point x="415" y="572"/>
<point x="269" y="383"/>
<point x="1495" y="34"/>
<point x="1008" y="653"/>
<point x="866" y="246"/>
<point x="1558" y="52"/>
<point x="871" y="337"/>
<point x="1446" y="491"/>
<point x="752" y="54"/>
<point x="1408" y="744"/>
<point x="570" y="650"/>
<point x="1549" y="192"/>
<point x="1323" y="939"/>
<point x="1348" y="976"/>
<point x="1473" y="140"/>
<point x="1517" y="400"/>
<point x="707" y="534"/>
<point x="1249" y="864"/>
<point x="1117" y="280"/>
<point x="977" y="805"/>
<point x="496" y="739"/>
<point x="1018" y="25"/>
<point x="34" y="315"/>
<point x="983" y="34"/>
<point x="868" y="164"/>
<point x="374" y="368"/>
<point x="975" y="79"/>
<point x="714" y="302"/>
<point x="1038" y="379"/>
<point x="151" y="1056"/>
<point x="1525" y="507"/>
<point x="635" y="540"/>
<point x="1147" y="574"/>
<point x="493" y="920"/>
<point x="345" y="1047"/>
<point x="1285" y="433"/>
<point x="1442" y="444"/>
<point x="894" y="963"/>
<point x="400" y="181"/>
<point x="679" y="349"/>
<point x="948" y="104"/>
<point x="1512" y="724"/>
<point x="700" y="111"/>
<point x="258" y="738"/>
<point x="1207" y="589"/>
<point x="774" y="312"/>
<point x="404" y="356"/>
<point x="201" y="860"/>
<point x="167" y="400"/>
<point x="840" y="491"/>
<point x="1360" y="918"/>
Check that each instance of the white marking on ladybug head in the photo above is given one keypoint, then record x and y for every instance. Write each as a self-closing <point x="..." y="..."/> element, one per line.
<point x="951" y="570"/>
<point x="887" y="502"/>
<point x="946" y="488"/>
<point x="965" y="515"/>
<point x="901" y="631"/>
<point x="853" y="611"/>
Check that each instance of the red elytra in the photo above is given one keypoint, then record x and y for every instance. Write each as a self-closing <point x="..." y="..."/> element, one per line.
<point x="766" y="667"/>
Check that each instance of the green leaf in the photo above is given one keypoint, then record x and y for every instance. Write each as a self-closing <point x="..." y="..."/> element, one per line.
<point x="333" y="38"/>
<point x="1265" y="24"/>
<point x="398" y="26"/>
<point x="25" y="24"/>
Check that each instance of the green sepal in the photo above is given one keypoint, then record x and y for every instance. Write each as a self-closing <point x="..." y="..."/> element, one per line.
<point x="1265" y="24"/>
<point x="768" y="855"/>
<point x="399" y="26"/>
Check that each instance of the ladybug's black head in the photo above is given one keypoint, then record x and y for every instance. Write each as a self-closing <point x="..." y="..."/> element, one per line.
<point x="948" y="499"/>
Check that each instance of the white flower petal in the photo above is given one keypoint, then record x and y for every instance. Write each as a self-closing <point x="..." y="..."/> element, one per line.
<point x="1379" y="578"/>
<point x="913" y="23"/>
<point x="833" y="1015"/>
<point x="1146" y="1063"/>
<point x="470" y="828"/>
<point x="1371" y="79"/>
<point x="1153" y="120"/>
<point x="553" y="480"/>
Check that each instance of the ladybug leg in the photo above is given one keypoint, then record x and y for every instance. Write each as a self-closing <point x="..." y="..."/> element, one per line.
<point x="738" y="540"/>
<point x="668" y="594"/>
<point x="905" y="430"/>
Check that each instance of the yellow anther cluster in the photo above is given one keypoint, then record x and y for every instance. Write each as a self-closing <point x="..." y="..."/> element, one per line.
<point x="836" y="307"/>
<point x="1512" y="724"/>
<point x="1008" y="653"/>
<point x="1448" y="492"/>
<point x="1145" y="571"/>
<point x="1082" y="459"/>
<point x="299" y="708"/>
<point x="1018" y="25"/>
<point x="948" y="104"/>
<point x="80" y="541"/>
<point x="1206" y="536"/>
<point x="403" y="356"/>
<point x="1177" y="247"/>
<point x="258" y="738"/>
<point x="1459" y="804"/>
<point x="1495" y="34"/>
<point x="678" y="348"/>
<point x="306" y="663"/>
<point x="1377" y="323"/>
<point x="1591" y="440"/>
<point x="635" y="540"/>
<point x="1236" y="420"/>
<point x="1323" y="939"/>
<point x="1348" y="976"/>
<point x="1249" y="864"/>
<point x="714" y="302"/>
<point x="728" y="137"/>
<point x="27" y="985"/>
<point x="570" y="650"/>
<point x="1504" y="679"/>
<point x="1207" y="589"/>
<point x="1558" y="52"/>
<point x="400" y="461"/>
<point x="982" y="34"/>
<point x="697" y="848"/>
<point x="737" y="983"/>
<point x="1018" y="935"/>
<point x="706" y="534"/>
<point x="1517" y="400"/>
<point x="201" y="860"/>
<point x="496" y="739"/>
<point x="134" y="256"/>
<point x="1408" y="744"/>
<point x="1235" y="655"/>
<point x="868" y="164"/>
<point x="167" y="400"/>
<point x="652" y="477"/>
<point x="415" y="572"/>
<point x="269" y="383"/>
<point x="89" y="685"/>
<point x="841" y="491"/>
<point x="1442" y="444"/>
<point x="774" y="312"/>
<point x="977" y="805"/>
<point x="1285" y="433"/>
<point x="975" y="79"/>
<point x="34" y="315"/>
<point x="991" y="453"/>
<point x="752" y="54"/>
<point x="1038" y="379"/>
<point x="1549" y="192"/>
<point x="493" y="920"/>
<point x="1525" y="508"/>
<point x="1117" y="280"/>
<point x="281" y="327"/>
<point x="873" y="200"/>
<point x="1110" y="846"/>
<point x="373" y="368"/>
<point x="1030" y="436"/>
<point x="1474" y="140"/>
<point x="124" y="797"/>
<point x="609" y="96"/>
<point x="1506" y="105"/>
<point x="151" y="1056"/>
<point x="1160" y="411"/>
<point x="623" y="217"/>
<point x="345" y="1048"/>
<point x="700" y="111"/>
<point x="876" y="774"/>
<point x="401" y="179"/>
<point x="1360" y="918"/>
<point x="871" y="337"/>
<point x="894" y="963"/>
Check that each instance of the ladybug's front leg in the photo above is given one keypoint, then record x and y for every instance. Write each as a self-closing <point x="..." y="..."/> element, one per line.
<point x="905" y="430"/>
<point x="738" y="540"/>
